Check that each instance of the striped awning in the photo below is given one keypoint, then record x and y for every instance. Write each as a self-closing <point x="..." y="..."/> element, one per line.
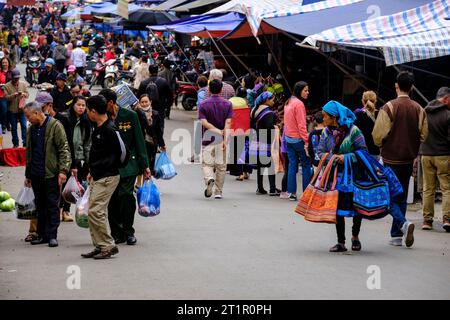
<point x="257" y="10"/>
<point x="416" y="34"/>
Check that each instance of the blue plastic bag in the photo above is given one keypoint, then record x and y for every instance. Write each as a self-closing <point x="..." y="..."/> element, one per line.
<point x="164" y="168"/>
<point x="149" y="202"/>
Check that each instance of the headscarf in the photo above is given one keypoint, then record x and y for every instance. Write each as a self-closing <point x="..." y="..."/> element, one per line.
<point x="345" y="116"/>
<point x="263" y="97"/>
<point x="254" y="93"/>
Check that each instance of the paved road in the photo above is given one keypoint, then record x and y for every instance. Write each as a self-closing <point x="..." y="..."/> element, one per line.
<point x="241" y="247"/>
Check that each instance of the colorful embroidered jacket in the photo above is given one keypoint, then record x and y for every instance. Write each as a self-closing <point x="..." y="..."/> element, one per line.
<point x="354" y="140"/>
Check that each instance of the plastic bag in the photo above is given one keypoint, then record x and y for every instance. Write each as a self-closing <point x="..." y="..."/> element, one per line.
<point x="72" y="191"/>
<point x="25" y="206"/>
<point x="148" y="199"/>
<point x="164" y="168"/>
<point x="82" y="210"/>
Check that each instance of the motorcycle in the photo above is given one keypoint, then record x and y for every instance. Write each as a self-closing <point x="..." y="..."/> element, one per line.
<point x="33" y="68"/>
<point x="111" y="74"/>
<point x="98" y="74"/>
<point x="89" y="71"/>
<point x="188" y="93"/>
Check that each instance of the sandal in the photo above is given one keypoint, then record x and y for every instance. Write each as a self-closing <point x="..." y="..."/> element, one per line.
<point x="338" y="248"/>
<point x="356" y="245"/>
<point x="240" y="178"/>
<point x="30" y="238"/>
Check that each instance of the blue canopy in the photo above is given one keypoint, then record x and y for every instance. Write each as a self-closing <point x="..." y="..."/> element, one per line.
<point x="314" y="22"/>
<point x="112" y="9"/>
<point x="217" y="24"/>
<point x="86" y="9"/>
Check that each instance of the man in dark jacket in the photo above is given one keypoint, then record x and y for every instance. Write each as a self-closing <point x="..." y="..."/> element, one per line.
<point x="48" y="161"/>
<point x="49" y="74"/>
<point x="435" y="153"/>
<point x="61" y="94"/>
<point x="164" y="99"/>
<point x="122" y="206"/>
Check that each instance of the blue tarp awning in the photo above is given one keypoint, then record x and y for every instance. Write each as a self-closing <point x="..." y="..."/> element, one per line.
<point x="112" y="9"/>
<point x="306" y="24"/>
<point x="86" y="10"/>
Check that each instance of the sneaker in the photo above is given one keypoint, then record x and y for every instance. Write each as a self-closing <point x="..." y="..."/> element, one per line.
<point x="284" y="195"/>
<point x="261" y="192"/>
<point x="218" y="196"/>
<point x="396" y="242"/>
<point x="209" y="186"/>
<point x="292" y="197"/>
<point x="53" y="243"/>
<point x="39" y="241"/>
<point x="106" y="254"/>
<point x="408" y="233"/>
<point x="131" y="240"/>
<point x="275" y="193"/>
<point x="446" y="225"/>
<point x="427" y="225"/>
<point x="338" y="248"/>
<point x="91" y="254"/>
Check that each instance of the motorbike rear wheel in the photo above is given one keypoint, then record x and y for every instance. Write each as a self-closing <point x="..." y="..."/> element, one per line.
<point x="188" y="103"/>
<point x="109" y="83"/>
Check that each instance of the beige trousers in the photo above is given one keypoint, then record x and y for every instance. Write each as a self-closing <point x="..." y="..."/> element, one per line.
<point x="101" y="192"/>
<point x="214" y="158"/>
<point x="436" y="168"/>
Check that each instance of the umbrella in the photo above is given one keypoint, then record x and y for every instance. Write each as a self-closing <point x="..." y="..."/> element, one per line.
<point x="148" y="17"/>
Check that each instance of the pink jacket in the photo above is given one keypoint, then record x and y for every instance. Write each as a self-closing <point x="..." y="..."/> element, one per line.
<point x="295" y="120"/>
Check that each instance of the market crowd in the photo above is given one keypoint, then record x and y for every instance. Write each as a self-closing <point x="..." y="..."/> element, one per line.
<point x="90" y="137"/>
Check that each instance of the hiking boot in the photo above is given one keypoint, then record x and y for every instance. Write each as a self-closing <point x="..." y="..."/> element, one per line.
<point x="209" y="187"/>
<point x="446" y="225"/>
<point x="408" y="233"/>
<point x="107" y="254"/>
<point x="427" y="225"/>
<point x="91" y="254"/>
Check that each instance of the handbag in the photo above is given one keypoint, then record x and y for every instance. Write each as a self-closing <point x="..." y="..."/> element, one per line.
<point x="371" y="198"/>
<point x="395" y="187"/>
<point x="345" y="188"/>
<point x="318" y="203"/>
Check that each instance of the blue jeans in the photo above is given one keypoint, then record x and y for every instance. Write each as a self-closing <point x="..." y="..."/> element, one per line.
<point x="3" y="113"/>
<point x="296" y="152"/>
<point x="399" y="205"/>
<point x="13" y="118"/>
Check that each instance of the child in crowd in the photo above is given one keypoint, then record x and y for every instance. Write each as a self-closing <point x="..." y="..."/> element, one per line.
<point x="314" y="138"/>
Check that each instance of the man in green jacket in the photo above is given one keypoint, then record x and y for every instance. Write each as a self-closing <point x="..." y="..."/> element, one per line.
<point x="122" y="207"/>
<point x="48" y="161"/>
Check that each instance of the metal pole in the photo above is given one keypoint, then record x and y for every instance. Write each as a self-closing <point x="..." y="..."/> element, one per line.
<point x="209" y="34"/>
<point x="235" y="56"/>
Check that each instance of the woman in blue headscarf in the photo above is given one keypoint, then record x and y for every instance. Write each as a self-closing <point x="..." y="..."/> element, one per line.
<point x="263" y="120"/>
<point x="339" y="137"/>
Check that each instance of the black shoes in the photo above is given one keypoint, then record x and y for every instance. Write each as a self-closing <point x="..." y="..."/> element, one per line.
<point x="338" y="248"/>
<point x="99" y="255"/>
<point x="274" y="193"/>
<point x="261" y="192"/>
<point x="119" y="240"/>
<point x="91" y="254"/>
<point x="39" y="240"/>
<point x="209" y="187"/>
<point x="131" y="240"/>
<point x="53" y="243"/>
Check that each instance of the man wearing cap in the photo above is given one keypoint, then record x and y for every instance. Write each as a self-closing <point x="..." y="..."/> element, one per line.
<point x="73" y="77"/>
<point x="49" y="74"/>
<point x="16" y="93"/>
<point x="435" y="153"/>
<point x="61" y="93"/>
<point x="79" y="58"/>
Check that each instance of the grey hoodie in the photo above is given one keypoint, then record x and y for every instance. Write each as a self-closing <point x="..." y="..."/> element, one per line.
<point x="438" y="140"/>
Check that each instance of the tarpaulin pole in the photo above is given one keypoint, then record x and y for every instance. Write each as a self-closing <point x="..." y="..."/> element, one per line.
<point x="220" y="51"/>
<point x="179" y="47"/>
<point x="235" y="56"/>
<point x="277" y="62"/>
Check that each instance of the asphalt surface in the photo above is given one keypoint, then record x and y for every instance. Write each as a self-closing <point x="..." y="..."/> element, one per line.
<point x="244" y="246"/>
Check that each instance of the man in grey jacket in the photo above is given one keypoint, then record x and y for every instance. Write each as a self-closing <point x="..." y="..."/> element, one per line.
<point x="435" y="153"/>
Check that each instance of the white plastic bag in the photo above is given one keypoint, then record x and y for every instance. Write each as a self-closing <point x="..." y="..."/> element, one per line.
<point x="25" y="206"/>
<point x="72" y="191"/>
<point x="82" y="210"/>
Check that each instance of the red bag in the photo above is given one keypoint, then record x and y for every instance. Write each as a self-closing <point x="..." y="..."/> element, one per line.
<point x="318" y="203"/>
<point x="240" y="121"/>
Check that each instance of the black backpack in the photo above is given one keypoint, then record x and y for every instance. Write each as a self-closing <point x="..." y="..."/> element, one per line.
<point x="153" y="92"/>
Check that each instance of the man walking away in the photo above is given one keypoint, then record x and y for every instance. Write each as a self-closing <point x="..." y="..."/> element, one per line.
<point x="122" y="206"/>
<point x="400" y="127"/>
<point x="215" y="113"/>
<point x="48" y="161"/>
<point x="104" y="160"/>
<point x="435" y="153"/>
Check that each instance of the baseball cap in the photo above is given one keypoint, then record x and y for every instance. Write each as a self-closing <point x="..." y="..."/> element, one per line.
<point x="50" y="61"/>
<point x="61" y="76"/>
<point x="71" y="68"/>
<point x="16" y="74"/>
<point x="44" y="97"/>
